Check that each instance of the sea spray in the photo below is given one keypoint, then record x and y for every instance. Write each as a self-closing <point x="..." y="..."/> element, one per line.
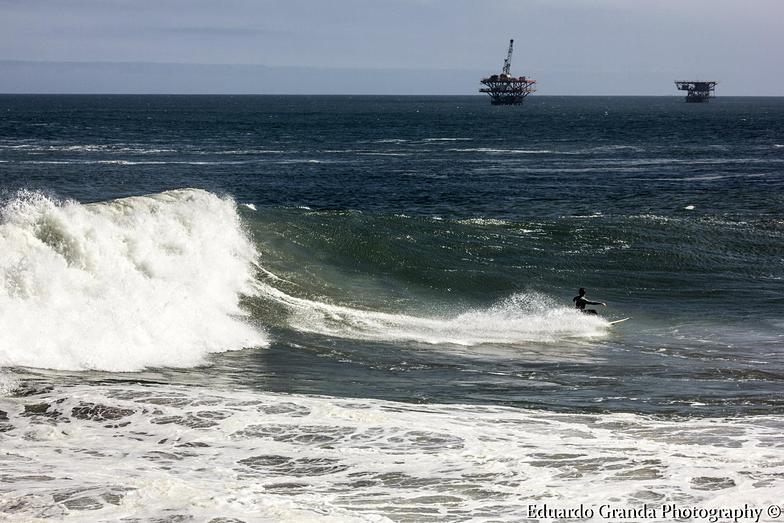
<point x="518" y="319"/>
<point x="125" y="284"/>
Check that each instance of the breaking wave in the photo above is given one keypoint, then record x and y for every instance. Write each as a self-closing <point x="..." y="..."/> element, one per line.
<point x="125" y="284"/>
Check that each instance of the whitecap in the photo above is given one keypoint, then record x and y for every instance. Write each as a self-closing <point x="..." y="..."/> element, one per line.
<point x="124" y="284"/>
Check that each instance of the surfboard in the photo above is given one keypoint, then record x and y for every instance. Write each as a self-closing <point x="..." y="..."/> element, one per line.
<point x="619" y="321"/>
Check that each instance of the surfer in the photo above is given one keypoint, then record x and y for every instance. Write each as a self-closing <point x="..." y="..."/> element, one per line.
<point x="580" y="302"/>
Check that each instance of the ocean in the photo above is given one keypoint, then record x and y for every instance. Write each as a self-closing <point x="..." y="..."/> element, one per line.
<point x="358" y="308"/>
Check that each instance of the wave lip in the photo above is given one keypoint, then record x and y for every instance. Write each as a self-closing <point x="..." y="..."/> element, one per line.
<point x="125" y="284"/>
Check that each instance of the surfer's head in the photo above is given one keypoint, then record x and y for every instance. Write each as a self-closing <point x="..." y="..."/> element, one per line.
<point x="581" y="292"/>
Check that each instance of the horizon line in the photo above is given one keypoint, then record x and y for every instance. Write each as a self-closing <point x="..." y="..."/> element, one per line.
<point x="366" y="95"/>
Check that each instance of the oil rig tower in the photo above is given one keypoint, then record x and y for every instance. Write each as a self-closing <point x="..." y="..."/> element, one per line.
<point x="696" y="92"/>
<point x="505" y="89"/>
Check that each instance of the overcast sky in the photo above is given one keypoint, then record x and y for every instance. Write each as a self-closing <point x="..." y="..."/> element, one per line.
<point x="569" y="46"/>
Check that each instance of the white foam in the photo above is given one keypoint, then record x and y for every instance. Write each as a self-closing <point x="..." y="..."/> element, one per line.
<point x="245" y="151"/>
<point x="502" y="151"/>
<point x="383" y="154"/>
<point x="125" y="284"/>
<point x="610" y="148"/>
<point x="483" y="221"/>
<point x="7" y="384"/>
<point x="88" y="148"/>
<point x="132" y="162"/>
<point x="518" y="319"/>
<point x="198" y="453"/>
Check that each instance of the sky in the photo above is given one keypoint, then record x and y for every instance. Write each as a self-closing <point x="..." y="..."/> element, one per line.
<point x="635" y="47"/>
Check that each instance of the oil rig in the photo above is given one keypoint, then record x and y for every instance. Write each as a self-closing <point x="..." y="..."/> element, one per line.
<point x="696" y="92"/>
<point x="505" y="89"/>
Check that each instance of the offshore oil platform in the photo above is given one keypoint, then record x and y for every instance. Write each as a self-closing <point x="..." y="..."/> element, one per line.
<point x="696" y="92"/>
<point x="505" y="89"/>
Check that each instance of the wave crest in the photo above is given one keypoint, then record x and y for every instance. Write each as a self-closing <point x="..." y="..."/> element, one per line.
<point x="122" y="285"/>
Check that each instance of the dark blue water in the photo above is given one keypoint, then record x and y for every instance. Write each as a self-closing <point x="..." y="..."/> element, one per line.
<point x="456" y="156"/>
<point x="432" y="207"/>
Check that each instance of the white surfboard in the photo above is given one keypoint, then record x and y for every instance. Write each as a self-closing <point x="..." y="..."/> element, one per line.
<point x="619" y="321"/>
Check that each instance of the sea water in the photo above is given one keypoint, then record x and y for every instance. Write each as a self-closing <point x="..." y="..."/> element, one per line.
<point x="247" y="308"/>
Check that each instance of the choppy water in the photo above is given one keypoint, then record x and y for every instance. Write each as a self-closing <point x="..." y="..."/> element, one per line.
<point x="288" y="308"/>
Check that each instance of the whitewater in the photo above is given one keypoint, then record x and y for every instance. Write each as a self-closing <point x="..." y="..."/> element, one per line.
<point x="191" y="452"/>
<point x="123" y="285"/>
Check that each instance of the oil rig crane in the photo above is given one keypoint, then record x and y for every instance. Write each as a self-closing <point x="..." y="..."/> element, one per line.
<point x="505" y="89"/>
<point x="508" y="61"/>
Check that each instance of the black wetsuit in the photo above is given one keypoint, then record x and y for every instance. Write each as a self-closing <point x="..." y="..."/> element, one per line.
<point x="580" y="302"/>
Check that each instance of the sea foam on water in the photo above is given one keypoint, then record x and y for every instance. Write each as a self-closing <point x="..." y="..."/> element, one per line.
<point x="518" y="319"/>
<point x="125" y="284"/>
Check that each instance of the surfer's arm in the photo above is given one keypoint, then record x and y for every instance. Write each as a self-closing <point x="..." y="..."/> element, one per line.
<point x="596" y="303"/>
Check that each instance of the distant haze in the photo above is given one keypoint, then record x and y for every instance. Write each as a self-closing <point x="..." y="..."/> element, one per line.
<point x="635" y="47"/>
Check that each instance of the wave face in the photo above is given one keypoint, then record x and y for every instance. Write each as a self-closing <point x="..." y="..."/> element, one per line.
<point x="401" y="280"/>
<point x="125" y="284"/>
